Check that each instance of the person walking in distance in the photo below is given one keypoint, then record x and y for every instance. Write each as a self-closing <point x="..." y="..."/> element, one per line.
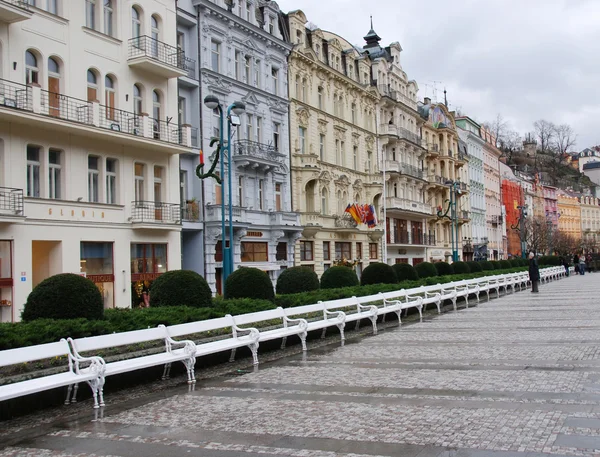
<point x="534" y="273"/>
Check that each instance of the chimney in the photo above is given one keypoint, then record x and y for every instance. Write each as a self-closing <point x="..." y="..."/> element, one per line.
<point x="427" y="101"/>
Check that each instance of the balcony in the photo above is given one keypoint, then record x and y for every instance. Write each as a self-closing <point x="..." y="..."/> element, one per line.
<point x="156" y="57"/>
<point x="433" y="149"/>
<point x="404" y="204"/>
<point x="11" y="204"/>
<point x="410" y="136"/>
<point x="397" y="96"/>
<point x="437" y="180"/>
<point x="239" y="216"/>
<point x="14" y="11"/>
<point x="155" y="215"/>
<point x="32" y="106"/>
<point x="463" y="215"/>
<point x="345" y="224"/>
<point x="413" y="239"/>
<point x="251" y="153"/>
<point x="190" y="212"/>
<point x="284" y="218"/>
<point x="388" y="129"/>
<point x="189" y="65"/>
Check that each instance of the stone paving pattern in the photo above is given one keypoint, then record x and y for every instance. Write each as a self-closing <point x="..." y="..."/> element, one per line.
<point x="517" y="376"/>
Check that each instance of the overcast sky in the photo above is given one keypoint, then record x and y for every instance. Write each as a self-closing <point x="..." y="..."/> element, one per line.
<point x="524" y="59"/>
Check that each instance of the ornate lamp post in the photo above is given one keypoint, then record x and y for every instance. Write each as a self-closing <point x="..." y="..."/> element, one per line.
<point x="520" y="227"/>
<point x="212" y="102"/>
<point x="450" y="214"/>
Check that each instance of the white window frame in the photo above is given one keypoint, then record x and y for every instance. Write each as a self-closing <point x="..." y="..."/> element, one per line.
<point x="139" y="182"/>
<point x="302" y="139"/>
<point x="54" y="175"/>
<point x="90" y="14"/>
<point x="33" y="169"/>
<point x="111" y="182"/>
<point x="94" y="180"/>
<point x="215" y="55"/>
<point x="322" y="146"/>
<point x="108" y="18"/>
<point x="261" y="194"/>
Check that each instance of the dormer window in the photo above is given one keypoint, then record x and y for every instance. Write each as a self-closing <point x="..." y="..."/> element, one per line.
<point x="271" y="25"/>
<point x="318" y="50"/>
<point x="299" y="36"/>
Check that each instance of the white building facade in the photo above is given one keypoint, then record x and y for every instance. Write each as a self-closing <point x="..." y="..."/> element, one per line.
<point x="89" y="147"/>
<point x="469" y="132"/>
<point x="243" y="57"/>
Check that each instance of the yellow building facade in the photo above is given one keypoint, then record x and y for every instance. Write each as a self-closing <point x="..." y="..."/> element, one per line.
<point x="333" y="111"/>
<point x="445" y="163"/>
<point x="569" y="210"/>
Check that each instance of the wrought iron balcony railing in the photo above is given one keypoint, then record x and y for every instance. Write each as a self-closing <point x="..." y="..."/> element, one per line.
<point x="419" y="239"/>
<point x="190" y="212"/>
<point x="15" y="95"/>
<point x="258" y="150"/>
<point x="145" y="46"/>
<point x="11" y="201"/>
<point x="66" y="108"/>
<point x="18" y="3"/>
<point x="149" y="211"/>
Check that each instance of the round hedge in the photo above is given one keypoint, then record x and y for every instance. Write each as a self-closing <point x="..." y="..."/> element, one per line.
<point x="505" y="264"/>
<point x="461" y="268"/>
<point x="515" y="263"/>
<point x="378" y="273"/>
<point x="335" y="277"/>
<point x="249" y="283"/>
<point x="64" y="296"/>
<point x="486" y="265"/>
<point x="475" y="267"/>
<point x="297" y="279"/>
<point x="426" y="270"/>
<point x="405" y="272"/>
<point x="443" y="268"/>
<point x="496" y="264"/>
<point x="180" y="288"/>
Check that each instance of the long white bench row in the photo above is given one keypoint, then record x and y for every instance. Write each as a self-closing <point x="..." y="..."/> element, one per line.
<point x="297" y="321"/>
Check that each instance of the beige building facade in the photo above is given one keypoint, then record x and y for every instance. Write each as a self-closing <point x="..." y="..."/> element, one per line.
<point x="493" y="201"/>
<point x="333" y="113"/>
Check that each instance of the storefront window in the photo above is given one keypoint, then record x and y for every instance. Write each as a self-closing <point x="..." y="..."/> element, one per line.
<point x="254" y="252"/>
<point x="96" y="261"/>
<point x="148" y="262"/>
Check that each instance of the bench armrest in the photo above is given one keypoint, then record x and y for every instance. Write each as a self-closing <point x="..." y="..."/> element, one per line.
<point x="302" y="323"/>
<point x="189" y="347"/>
<point x="371" y="308"/>
<point x="97" y="364"/>
<point x="253" y="333"/>
<point x="391" y="302"/>
<point x="340" y="315"/>
<point x="414" y="297"/>
<point x="432" y="294"/>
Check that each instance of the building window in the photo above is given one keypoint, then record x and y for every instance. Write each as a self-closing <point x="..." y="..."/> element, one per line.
<point x="215" y="53"/>
<point x="306" y="251"/>
<point x="369" y="162"/>
<point x="271" y="25"/>
<point x="247" y="63"/>
<point x="324" y="202"/>
<point x="137" y="99"/>
<point x="276" y="128"/>
<point x="248" y="11"/>
<point x="373" y="251"/>
<point x="216" y="122"/>
<point x="108" y="17"/>
<point x="33" y="171"/>
<point x="278" y="196"/>
<point x="254" y="252"/>
<point x="241" y="190"/>
<point x="304" y="90"/>
<point x="139" y="182"/>
<point x="109" y="97"/>
<point x="92" y="86"/>
<point x="261" y="193"/>
<point x="343" y="250"/>
<point x="259" y="129"/>
<point x="326" y="250"/>
<point x="155" y="34"/>
<point x="281" y="253"/>
<point x="111" y="181"/>
<point x="338" y="158"/>
<point x="158" y="179"/>
<point x="148" y="258"/>
<point x="343" y="154"/>
<point x="299" y="36"/>
<point x="355" y="157"/>
<point x="275" y="78"/>
<point x="359" y="250"/>
<point x="136" y="23"/>
<point x="250" y="127"/>
<point x="32" y="71"/>
<point x="52" y="6"/>
<point x="257" y="73"/>
<point x="320" y="97"/>
<point x="321" y="146"/>
<point x="90" y="14"/>
<point x="353" y="111"/>
<point x="156" y="114"/>
<point x="237" y="63"/>
<point x="93" y="178"/>
<point x="302" y="139"/>
<point x="54" y="173"/>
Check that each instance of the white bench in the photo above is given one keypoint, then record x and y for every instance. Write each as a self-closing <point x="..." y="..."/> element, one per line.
<point x="392" y="303"/>
<point x="74" y="371"/>
<point x="185" y="354"/>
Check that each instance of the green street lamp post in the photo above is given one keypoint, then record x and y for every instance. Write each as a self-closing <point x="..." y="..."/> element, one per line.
<point x="451" y="214"/>
<point x="520" y="227"/>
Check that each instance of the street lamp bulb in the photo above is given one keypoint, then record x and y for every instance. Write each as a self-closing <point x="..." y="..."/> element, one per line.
<point x="238" y="108"/>
<point x="211" y="101"/>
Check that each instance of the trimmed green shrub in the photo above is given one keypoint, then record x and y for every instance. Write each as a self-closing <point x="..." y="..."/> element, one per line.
<point x="496" y="263"/>
<point x="180" y="288"/>
<point x="549" y="260"/>
<point x="378" y="273"/>
<point x="236" y="306"/>
<point x="443" y="268"/>
<point x="336" y="277"/>
<point x="515" y="262"/>
<point x="461" y="268"/>
<point x="249" y="283"/>
<point x="64" y="296"/>
<point x="405" y="272"/>
<point x="486" y="265"/>
<point x="506" y="264"/>
<point x="474" y="267"/>
<point x="297" y="279"/>
<point x="426" y="270"/>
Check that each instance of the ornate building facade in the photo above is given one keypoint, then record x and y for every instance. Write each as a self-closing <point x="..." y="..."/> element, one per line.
<point x="470" y="132"/>
<point x="590" y="222"/>
<point x="243" y="57"/>
<point x="569" y="210"/>
<point x="445" y="165"/>
<point x="333" y="111"/>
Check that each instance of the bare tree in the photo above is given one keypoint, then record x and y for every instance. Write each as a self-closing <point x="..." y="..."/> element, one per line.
<point x="544" y="131"/>
<point x="565" y="244"/>
<point x="564" y="138"/>
<point x="537" y="233"/>
<point x="511" y="143"/>
<point x="498" y="128"/>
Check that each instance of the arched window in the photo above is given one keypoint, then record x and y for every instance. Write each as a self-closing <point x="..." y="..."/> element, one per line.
<point x="32" y="71"/>
<point x="110" y="96"/>
<point x="324" y="202"/>
<point x="155" y="34"/>
<point x="53" y="87"/>
<point x="92" y="86"/>
<point x="108" y="17"/>
<point x="136" y="23"/>
<point x="310" y="196"/>
<point x="156" y="113"/>
<point x="137" y="99"/>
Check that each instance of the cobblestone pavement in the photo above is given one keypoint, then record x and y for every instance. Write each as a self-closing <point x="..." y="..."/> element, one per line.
<point x="517" y="376"/>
